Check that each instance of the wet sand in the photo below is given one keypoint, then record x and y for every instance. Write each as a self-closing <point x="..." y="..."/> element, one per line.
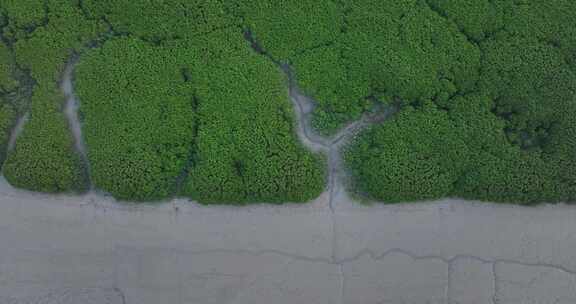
<point x="90" y="249"/>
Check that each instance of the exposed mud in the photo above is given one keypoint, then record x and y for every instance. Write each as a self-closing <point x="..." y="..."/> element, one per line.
<point x="71" y="111"/>
<point x="330" y="146"/>
<point x="17" y="130"/>
<point x="80" y="249"/>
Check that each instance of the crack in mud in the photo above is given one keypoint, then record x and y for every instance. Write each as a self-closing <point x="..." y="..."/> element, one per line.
<point x="381" y="256"/>
<point x="447" y="290"/>
<point x="495" y="284"/>
<point x="449" y="261"/>
<point x="330" y="146"/>
<point x="115" y="295"/>
<point x="342" y="286"/>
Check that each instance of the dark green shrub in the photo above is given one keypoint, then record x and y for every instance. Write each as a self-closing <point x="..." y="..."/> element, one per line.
<point x="158" y="21"/>
<point x="149" y="109"/>
<point x="138" y="118"/>
<point x="287" y="28"/>
<point x="182" y="102"/>
<point x="417" y="155"/>
<point x="44" y="158"/>
<point x="246" y="149"/>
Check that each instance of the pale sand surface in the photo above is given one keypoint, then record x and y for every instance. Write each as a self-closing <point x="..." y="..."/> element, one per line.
<point x="90" y="249"/>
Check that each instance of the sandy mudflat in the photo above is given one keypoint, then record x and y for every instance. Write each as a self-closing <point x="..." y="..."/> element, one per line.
<point x="90" y="249"/>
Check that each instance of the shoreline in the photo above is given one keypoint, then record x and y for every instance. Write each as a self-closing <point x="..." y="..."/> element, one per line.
<point x="92" y="249"/>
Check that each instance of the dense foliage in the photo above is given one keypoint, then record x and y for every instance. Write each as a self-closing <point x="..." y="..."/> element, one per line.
<point x="246" y="149"/>
<point x="138" y="118"/>
<point x="504" y="131"/>
<point x="344" y="54"/>
<point x="199" y="113"/>
<point x="43" y="36"/>
<point x="174" y="100"/>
